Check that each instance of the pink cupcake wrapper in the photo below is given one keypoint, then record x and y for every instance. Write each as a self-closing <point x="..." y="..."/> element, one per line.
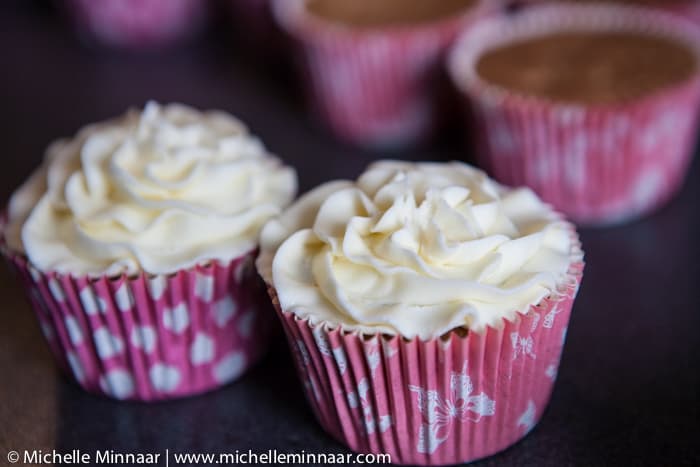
<point x="151" y="337"/>
<point x="136" y="23"/>
<point x="599" y="164"/>
<point x="376" y="86"/>
<point x="690" y="10"/>
<point x="442" y="401"/>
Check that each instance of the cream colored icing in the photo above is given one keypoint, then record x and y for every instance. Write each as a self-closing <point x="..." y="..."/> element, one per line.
<point x="415" y="250"/>
<point x="156" y="191"/>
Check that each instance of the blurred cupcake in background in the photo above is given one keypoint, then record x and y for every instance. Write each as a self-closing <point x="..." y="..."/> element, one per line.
<point x="372" y="68"/>
<point x="426" y="307"/>
<point x="593" y="106"/>
<point x="136" y="24"/>
<point x="135" y="242"/>
<point x="689" y="9"/>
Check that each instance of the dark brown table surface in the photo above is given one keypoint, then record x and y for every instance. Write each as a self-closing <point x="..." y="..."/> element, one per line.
<point x="629" y="386"/>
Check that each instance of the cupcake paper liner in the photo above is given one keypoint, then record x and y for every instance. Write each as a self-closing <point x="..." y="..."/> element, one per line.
<point x="372" y="86"/>
<point x="135" y="23"/>
<point x="447" y="400"/>
<point x="598" y="164"/>
<point x="689" y="10"/>
<point x="151" y="337"/>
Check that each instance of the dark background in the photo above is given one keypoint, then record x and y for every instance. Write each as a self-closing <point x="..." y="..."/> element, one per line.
<point x="629" y="386"/>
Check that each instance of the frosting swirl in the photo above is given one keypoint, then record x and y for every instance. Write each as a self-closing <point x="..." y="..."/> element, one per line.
<point x="416" y="250"/>
<point x="156" y="191"/>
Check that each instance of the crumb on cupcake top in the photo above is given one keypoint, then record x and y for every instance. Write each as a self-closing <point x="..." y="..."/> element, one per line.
<point x="156" y="190"/>
<point x="415" y="250"/>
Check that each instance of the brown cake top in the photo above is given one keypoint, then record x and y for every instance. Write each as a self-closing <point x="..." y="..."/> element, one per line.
<point x="377" y="13"/>
<point x="589" y="67"/>
<point x="636" y="2"/>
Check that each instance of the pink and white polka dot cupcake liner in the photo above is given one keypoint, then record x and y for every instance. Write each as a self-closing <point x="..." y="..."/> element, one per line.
<point x="136" y="23"/>
<point x="152" y="337"/>
<point x="597" y="164"/>
<point x="442" y="401"/>
<point x="372" y="86"/>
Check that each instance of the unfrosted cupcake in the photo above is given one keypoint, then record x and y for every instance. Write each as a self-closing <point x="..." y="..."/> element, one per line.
<point x="592" y="106"/>
<point x="688" y="8"/>
<point x="372" y="68"/>
<point x="426" y="307"/>
<point x="135" y="241"/>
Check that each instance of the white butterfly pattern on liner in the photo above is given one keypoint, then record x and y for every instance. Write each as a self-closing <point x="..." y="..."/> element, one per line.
<point x="373" y="358"/>
<point x="535" y="320"/>
<point x="359" y="400"/>
<point x="550" y="316"/>
<point x="387" y="349"/>
<point x="527" y="419"/>
<point x="522" y="345"/>
<point x="324" y="346"/>
<point x="340" y="359"/>
<point x="551" y="371"/>
<point x="321" y="342"/>
<point x="457" y="407"/>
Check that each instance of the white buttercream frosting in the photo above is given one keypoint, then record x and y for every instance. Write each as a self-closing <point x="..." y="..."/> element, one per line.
<point x="415" y="250"/>
<point x="156" y="190"/>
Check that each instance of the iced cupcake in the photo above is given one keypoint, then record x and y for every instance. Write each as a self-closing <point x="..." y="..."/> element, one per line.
<point x="426" y="307"/>
<point x="135" y="241"/>
<point x="592" y="106"/>
<point x="373" y="68"/>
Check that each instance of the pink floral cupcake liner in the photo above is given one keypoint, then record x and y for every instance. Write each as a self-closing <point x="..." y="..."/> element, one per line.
<point x="151" y="337"/>
<point x="598" y="164"/>
<point x="377" y="86"/>
<point x="448" y="400"/>
<point x="136" y="23"/>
